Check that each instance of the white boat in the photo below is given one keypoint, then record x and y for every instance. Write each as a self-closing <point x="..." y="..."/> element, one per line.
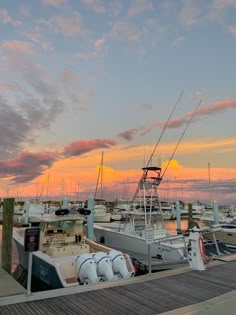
<point x="133" y="235"/>
<point x="66" y="257"/>
<point x="101" y="213"/>
<point x="30" y="209"/>
<point x="225" y="232"/>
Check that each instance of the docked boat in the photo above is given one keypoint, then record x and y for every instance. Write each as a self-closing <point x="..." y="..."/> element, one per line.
<point x="225" y="232"/>
<point x="133" y="234"/>
<point x="66" y="257"/>
<point x="101" y="213"/>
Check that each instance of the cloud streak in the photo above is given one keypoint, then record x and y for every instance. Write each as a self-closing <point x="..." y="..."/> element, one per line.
<point x="178" y="122"/>
<point x="80" y="147"/>
<point x="20" y="47"/>
<point x="27" y="166"/>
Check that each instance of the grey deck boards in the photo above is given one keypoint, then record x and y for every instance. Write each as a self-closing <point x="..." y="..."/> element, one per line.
<point x="148" y="297"/>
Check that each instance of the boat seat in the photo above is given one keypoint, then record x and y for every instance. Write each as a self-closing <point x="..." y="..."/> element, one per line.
<point x="63" y="251"/>
<point x="68" y="271"/>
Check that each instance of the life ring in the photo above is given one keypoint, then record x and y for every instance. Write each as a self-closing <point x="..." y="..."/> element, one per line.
<point x="202" y="250"/>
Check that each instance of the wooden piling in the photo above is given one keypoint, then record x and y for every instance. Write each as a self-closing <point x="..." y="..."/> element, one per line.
<point x="190" y="209"/>
<point x="8" y="214"/>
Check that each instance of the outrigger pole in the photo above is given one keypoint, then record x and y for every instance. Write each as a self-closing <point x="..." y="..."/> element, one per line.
<point x="185" y="129"/>
<point x="155" y="169"/>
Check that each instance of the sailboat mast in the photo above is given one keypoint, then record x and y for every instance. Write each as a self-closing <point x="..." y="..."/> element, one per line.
<point x="209" y="179"/>
<point x="100" y="176"/>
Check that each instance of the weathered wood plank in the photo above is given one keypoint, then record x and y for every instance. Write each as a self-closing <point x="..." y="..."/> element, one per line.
<point x="148" y="297"/>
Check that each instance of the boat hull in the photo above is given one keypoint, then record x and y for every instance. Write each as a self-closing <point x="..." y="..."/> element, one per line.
<point x="131" y="243"/>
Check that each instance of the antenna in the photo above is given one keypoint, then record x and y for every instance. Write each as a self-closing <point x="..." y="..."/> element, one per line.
<point x="185" y="129"/>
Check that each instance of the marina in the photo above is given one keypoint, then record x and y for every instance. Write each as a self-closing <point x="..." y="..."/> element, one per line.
<point x="153" y="286"/>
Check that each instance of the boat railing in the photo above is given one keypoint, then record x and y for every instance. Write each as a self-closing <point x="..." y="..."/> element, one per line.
<point x="179" y="239"/>
<point x="212" y="230"/>
<point x="184" y="242"/>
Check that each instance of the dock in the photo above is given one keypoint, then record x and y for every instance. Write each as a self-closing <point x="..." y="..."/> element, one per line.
<point x="180" y="291"/>
<point x="9" y="286"/>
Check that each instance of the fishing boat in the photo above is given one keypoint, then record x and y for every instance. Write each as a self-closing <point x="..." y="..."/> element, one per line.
<point x="132" y="234"/>
<point x="66" y="257"/>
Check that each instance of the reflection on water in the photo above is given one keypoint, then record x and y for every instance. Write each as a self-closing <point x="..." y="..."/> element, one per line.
<point x="169" y="225"/>
<point x="15" y="259"/>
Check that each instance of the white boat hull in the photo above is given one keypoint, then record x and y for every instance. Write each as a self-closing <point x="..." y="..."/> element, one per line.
<point x="133" y="243"/>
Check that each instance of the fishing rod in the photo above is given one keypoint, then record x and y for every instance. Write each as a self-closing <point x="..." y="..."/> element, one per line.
<point x="185" y="129"/>
<point x="158" y="141"/>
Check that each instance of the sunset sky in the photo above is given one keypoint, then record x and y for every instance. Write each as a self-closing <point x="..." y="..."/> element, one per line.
<point x="82" y="77"/>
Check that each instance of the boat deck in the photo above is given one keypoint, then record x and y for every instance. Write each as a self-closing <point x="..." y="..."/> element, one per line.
<point x="148" y="294"/>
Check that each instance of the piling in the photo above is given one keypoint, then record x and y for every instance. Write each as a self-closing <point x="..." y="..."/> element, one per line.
<point x="90" y="218"/>
<point x="27" y="209"/>
<point x="178" y="218"/>
<point x="8" y="215"/>
<point x="190" y="209"/>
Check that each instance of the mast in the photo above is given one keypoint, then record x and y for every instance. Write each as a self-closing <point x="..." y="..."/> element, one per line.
<point x="100" y="176"/>
<point x="209" y="179"/>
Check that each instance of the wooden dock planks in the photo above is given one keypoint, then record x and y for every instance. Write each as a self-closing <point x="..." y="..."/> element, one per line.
<point x="148" y="297"/>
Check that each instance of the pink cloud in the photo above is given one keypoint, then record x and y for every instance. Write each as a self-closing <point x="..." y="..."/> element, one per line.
<point x="216" y="107"/>
<point x="124" y="30"/>
<point x="140" y="6"/>
<point x="103" y="6"/>
<point x="190" y="13"/>
<point x="129" y="134"/>
<point x="80" y="147"/>
<point x="27" y="166"/>
<point x="202" y="111"/>
<point x="68" y="26"/>
<point x="18" y="46"/>
<point x="99" y="43"/>
<point x="178" y="122"/>
<point x="6" y="19"/>
<point x="232" y="30"/>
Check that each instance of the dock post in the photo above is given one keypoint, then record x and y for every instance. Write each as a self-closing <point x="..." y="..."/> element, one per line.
<point x="149" y="259"/>
<point x="190" y="209"/>
<point x="178" y="217"/>
<point x="65" y="203"/>
<point x="8" y="215"/>
<point x="90" y="218"/>
<point x="215" y="212"/>
<point x="27" y="207"/>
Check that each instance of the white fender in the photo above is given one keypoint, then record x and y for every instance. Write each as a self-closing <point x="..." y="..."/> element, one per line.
<point x="86" y="267"/>
<point x="119" y="265"/>
<point x="104" y="266"/>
